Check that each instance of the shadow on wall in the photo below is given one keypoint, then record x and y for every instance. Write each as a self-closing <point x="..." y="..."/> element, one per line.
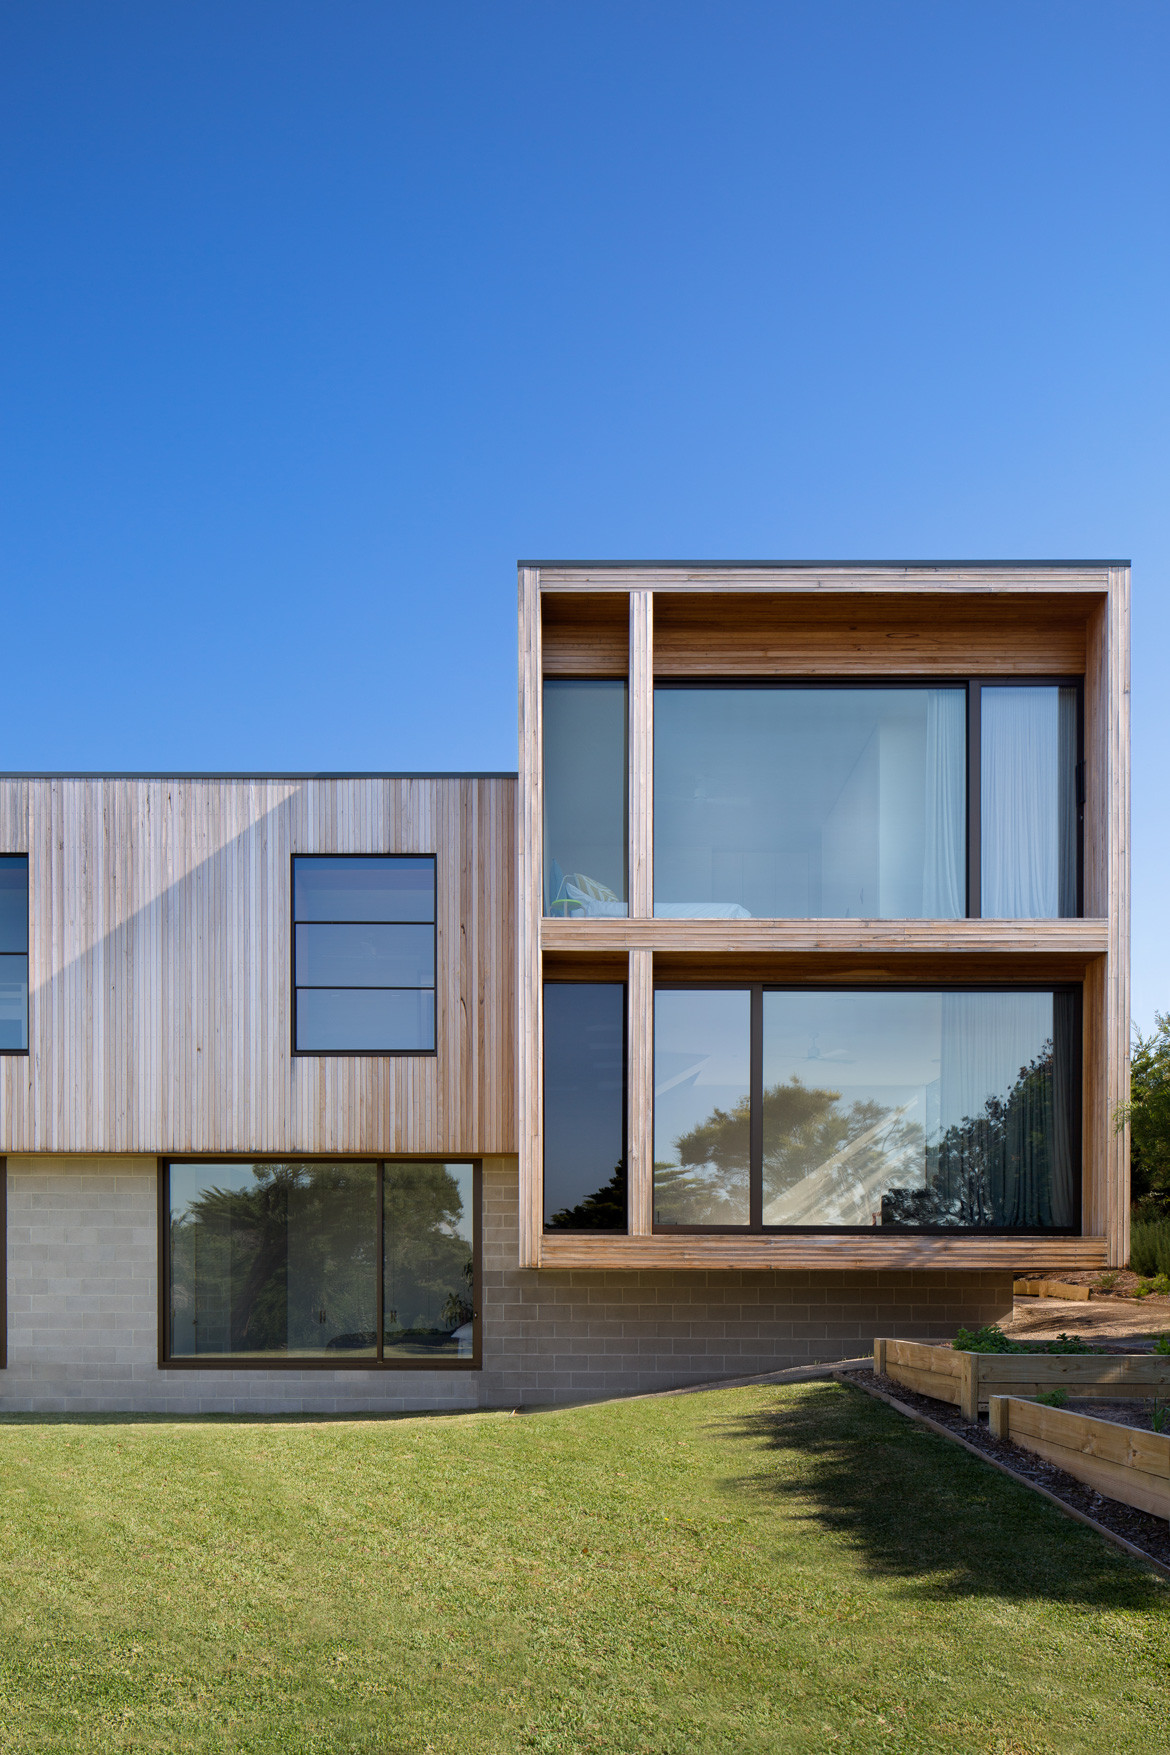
<point x="917" y="1508"/>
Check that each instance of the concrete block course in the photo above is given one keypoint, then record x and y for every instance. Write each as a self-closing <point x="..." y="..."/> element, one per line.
<point x="82" y="1315"/>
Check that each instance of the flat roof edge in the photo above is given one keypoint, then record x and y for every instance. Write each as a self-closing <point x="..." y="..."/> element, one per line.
<point x="211" y="774"/>
<point x="712" y="566"/>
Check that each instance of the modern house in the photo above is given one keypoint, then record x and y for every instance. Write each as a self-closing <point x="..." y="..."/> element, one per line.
<point x="781" y="1000"/>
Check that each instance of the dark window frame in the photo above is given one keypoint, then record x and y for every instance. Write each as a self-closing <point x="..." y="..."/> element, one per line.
<point x="757" y="989"/>
<point x="572" y="981"/>
<point x="973" y="684"/>
<point x="23" y="1053"/>
<point x="167" y="1361"/>
<point x="360" y="1053"/>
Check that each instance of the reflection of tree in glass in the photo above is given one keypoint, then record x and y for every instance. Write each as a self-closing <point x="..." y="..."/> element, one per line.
<point x="429" y="1270"/>
<point x="604" y="1210"/>
<point x="994" y="1168"/>
<point x="230" y="1258"/>
<point x="806" y="1130"/>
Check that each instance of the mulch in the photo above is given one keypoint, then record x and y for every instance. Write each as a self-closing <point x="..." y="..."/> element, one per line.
<point x="1150" y="1534"/>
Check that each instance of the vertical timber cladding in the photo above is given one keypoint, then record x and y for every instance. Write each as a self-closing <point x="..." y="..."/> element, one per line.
<point x="161" y="969"/>
<point x="836" y="619"/>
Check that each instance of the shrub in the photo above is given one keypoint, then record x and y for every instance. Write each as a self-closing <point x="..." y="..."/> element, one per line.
<point x="1149" y="1246"/>
<point x="1053" y="1398"/>
<point x="991" y="1339"/>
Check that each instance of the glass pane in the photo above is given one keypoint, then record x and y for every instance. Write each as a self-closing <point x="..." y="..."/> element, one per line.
<point x="274" y="1259"/>
<point x="382" y="887"/>
<point x="1029" y="830"/>
<point x="585" y="798"/>
<point x="365" y="956"/>
<point x="584" y="1106"/>
<point x="781" y="802"/>
<point x="13" y="1004"/>
<point x="373" y="1020"/>
<point x="702" y="1062"/>
<point x="429" y="1272"/>
<point x="919" y="1110"/>
<point x="14" y="902"/>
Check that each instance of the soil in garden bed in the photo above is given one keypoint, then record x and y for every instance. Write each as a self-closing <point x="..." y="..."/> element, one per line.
<point x="1150" y="1534"/>
<point x="1122" y="1282"/>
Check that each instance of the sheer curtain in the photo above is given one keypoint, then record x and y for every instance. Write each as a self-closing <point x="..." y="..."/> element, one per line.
<point x="1029" y="807"/>
<point x="944" y="888"/>
<point x="1007" y="1093"/>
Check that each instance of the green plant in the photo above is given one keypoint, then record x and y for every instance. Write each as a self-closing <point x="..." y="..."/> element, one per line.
<point x="1157" y="1414"/>
<point x="991" y="1339"/>
<point x="1158" y="1287"/>
<point x="1162" y="1345"/>
<point x="1149" y="1246"/>
<point x="1106" y="1281"/>
<point x="1148" y="1115"/>
<point x="1053" y="1398"/>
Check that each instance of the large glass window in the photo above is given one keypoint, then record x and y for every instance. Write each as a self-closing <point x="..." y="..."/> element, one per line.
<point x="790" y="802"/>
<point x="584" y="1106"/>
<point x="1029" y="805"/>
<point x="926" y="1110"/>
<point x="364" y="954"/>
<point x="585" y="834"/>
<point x="14" y="953"/>
<point x="702" y="1111"/>
<point x="279" y="1261"/>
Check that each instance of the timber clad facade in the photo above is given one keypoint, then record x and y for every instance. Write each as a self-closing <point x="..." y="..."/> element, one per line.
<point x="825" y="1039"/>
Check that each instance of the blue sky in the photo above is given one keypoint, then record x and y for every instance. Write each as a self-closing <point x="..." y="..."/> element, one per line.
<point x="315" y="317"/>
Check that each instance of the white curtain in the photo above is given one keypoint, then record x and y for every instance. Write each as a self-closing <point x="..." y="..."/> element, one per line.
<point x="944" y="889"/>
<point x="1021" y="840"/>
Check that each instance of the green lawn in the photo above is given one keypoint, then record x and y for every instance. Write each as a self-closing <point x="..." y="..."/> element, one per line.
<point x="758" y="1570"/>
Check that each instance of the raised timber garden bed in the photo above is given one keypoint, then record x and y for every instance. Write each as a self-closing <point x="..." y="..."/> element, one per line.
<point x="1121" y="1462"/>
<point x="969" y="1380"/>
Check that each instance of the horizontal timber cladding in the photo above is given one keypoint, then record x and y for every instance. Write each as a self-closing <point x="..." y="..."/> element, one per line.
<point x="160" y="968"/>
<point x="850" y="634"/>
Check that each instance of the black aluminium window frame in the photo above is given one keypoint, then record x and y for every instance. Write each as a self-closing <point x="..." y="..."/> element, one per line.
<point x="757" y="989"/>
<point x="276" y="1362"/>
<point x="589" y="981"/>
<point x="973" y="686"/>
<point x="359" y="1053"/>
<point x="17" y="1053"/>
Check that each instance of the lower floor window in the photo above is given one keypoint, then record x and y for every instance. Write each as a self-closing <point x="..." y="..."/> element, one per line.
<point x="304" y="1260"/>
<point x="913" y="1110"/>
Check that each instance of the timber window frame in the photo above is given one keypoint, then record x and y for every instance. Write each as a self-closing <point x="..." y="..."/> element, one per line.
<point x="756" y="1226"/>
<point x="973" y="686"/>
<point x="301" y="1050"/>
<point x="170" y="1361"/>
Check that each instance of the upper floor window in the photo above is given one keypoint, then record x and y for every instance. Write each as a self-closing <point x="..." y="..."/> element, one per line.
<point x="1029" y="801"/>
<point x="585" y="825"/>
<point x="364" y="953"/>
<point x="860" y="801"/>
<point x="14" y="953"/>
<point x="791" y="802"/>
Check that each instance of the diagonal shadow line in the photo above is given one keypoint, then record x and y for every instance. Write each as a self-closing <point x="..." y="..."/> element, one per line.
<point x="916" y="1509"/>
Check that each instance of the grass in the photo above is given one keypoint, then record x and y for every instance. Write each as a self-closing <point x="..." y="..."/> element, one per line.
<point x="757" y="1570"/>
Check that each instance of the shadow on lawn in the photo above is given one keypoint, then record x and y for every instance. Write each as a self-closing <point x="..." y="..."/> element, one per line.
<point x="918" y="1508"/>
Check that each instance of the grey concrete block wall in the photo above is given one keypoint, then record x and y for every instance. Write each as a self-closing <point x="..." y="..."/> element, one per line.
<point x="83" y="1315"/>
<point x="566" y="1336"/>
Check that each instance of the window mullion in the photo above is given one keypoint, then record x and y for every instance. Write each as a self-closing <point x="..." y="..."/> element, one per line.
<point x="974" y="800"/>
<point x="756" y="1126"/>
<point x="380" y="1265"/>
